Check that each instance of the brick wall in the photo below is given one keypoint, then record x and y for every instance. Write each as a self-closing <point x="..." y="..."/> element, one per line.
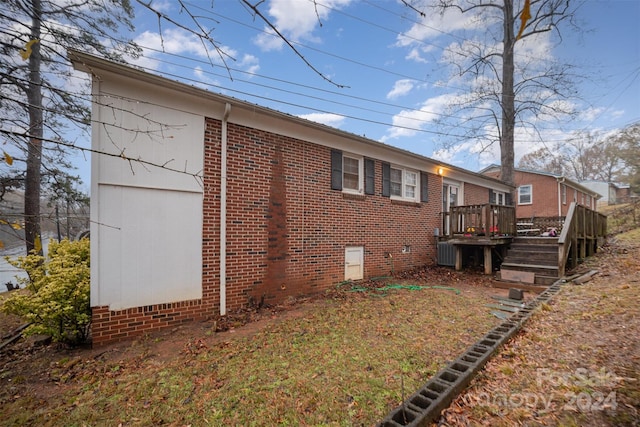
<point x="545" y="195"/>
<point x="475" y="195"/>
<point x="116" y="325"/>
<point x="544" y="192"/>
<point x="286" y="230"/>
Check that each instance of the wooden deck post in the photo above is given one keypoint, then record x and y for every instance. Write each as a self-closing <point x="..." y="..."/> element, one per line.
<point x="488" y="268"/>
<point x="458" y="257"/>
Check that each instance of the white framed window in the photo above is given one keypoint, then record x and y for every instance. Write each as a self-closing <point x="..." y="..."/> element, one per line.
<point x="404" y="184"/>
<point x="525" y="194"/>
<point x="499" y="197"/>
<point x="352" y="174"/>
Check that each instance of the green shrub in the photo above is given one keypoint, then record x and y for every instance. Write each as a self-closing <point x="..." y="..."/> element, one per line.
<point x="57" y="301"/>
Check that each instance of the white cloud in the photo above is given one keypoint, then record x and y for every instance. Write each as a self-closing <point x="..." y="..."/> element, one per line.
<point x="409" y="122"/>
<point x="590" y="114"/>
<point x="444" y="155"/>
<point x="249" y="63"/>
<point x="616" y="113"/>
<point x="400" y="88"/>
<point x="296" y="20"/>
<point x="415" y="54"/>
<point x="328" y="119"/>
<point x="268" y="40"/>
<point x="179" y="41"/>
<point x="434" y="25"/>
<point x="173" y="40"/>
<point x="164" y="6"/>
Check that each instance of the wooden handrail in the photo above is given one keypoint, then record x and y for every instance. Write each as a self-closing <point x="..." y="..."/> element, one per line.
<point x="580" y="223"/>
<point x="486" y="219"/>
<point x="564" y="240"/>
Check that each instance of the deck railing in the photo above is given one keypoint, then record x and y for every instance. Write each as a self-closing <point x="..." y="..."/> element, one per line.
<point x="480" y="220"/>
<point x="579" y="237"/>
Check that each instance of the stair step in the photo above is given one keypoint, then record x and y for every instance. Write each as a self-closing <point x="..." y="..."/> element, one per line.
<point x="527" y="277"/>
<point x="505" y="284"/>
<point x="519" y="252"/>
<point x="532" y="255"/>
<point x="529" y="261"/>
<point x="535" y="270"/>
<point x="537" y="240"/>
<point x="532" y="259"/>
<point x="516" y="266"/>
<point x="533" y="248"/>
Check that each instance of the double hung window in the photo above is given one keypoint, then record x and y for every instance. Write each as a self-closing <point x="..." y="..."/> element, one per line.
<point x="525" y="194"/>
<point x="404" y="184"/>
<point x="351" y="174"/>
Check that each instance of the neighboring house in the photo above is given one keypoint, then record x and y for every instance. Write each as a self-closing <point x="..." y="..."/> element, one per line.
<point x="606" y="190"/>
<point x="623" y="194"/>
<point x="544" y="194"/>
<point x="250" y="206"/>
<point x="611" y="193"/>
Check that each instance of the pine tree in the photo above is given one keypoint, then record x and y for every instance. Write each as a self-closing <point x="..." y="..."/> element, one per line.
<point x="38" y="102"/>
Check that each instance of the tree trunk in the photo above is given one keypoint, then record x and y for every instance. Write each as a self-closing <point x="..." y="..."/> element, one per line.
<point x="34" y="153"/>
<point x="508" y="100"/>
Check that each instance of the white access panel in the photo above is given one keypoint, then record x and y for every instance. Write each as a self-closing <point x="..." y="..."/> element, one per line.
<point x="354" y="263"/>
<point x="149" y="247"/>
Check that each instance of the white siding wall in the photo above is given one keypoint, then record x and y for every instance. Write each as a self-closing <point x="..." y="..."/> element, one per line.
<point x="146" y="231"/>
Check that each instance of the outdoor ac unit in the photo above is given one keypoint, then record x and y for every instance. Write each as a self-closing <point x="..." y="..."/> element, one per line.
<point x="446" y="254"/>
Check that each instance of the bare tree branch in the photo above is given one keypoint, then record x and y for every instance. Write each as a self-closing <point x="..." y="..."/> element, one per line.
<point x="268" y="22"/>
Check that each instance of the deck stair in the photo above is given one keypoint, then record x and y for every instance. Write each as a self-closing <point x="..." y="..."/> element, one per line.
<point x="531" y="260"/>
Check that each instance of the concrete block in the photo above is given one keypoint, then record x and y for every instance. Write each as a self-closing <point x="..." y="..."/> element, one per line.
<point x="517" y="294"/>
<point x="518" y="276"/>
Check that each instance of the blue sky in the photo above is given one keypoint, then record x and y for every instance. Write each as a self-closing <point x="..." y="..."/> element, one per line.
<point x="390" y="82"/>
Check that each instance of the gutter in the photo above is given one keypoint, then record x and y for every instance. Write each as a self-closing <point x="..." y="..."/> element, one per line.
<point x="560" y="180"/>
<point x="223" y="211"/>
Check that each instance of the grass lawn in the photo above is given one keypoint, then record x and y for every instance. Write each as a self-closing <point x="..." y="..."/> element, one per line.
<point x="348" y="357"/>
<point x="345" y="359"/>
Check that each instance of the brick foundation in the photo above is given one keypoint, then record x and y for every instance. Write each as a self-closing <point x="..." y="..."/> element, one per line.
<point x="111" y="326"/>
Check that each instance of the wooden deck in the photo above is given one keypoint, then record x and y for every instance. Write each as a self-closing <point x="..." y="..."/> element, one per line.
<point x="489" y="244"/>
<point x="494" y="228"/>
<point x="488" y="226"/>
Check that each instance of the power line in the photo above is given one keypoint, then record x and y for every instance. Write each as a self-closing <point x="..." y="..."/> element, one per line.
<point x="271" y="99"/>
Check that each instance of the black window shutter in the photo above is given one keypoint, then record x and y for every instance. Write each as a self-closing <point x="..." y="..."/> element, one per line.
<point x="492" y="196"/>
<point x="369" y="176"/>
<point x="336" y="170"/>
<point x="507" y="199"/>
<point x="386" y="179"/>
<point x="424" y="187"/>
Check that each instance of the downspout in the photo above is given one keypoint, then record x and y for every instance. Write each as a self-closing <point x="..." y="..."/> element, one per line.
<point x="223" y="211"/>
<point x="560" y="182"/>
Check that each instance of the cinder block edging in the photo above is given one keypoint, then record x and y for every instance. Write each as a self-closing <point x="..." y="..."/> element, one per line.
<point x="426" y="404"/>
